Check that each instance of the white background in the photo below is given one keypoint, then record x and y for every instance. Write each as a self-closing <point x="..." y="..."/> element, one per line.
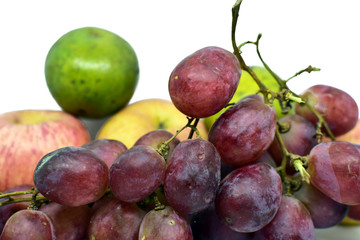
<point x="296" y="34"/>
<point x="321" y="33"/>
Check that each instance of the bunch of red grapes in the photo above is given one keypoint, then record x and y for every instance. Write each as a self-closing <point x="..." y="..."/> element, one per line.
<point x="233" y="185"/>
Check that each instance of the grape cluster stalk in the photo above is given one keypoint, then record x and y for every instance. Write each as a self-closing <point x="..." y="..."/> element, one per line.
<point x="257" y="176"/>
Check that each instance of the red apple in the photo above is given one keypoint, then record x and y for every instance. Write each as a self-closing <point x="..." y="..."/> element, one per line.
<point x="27" y="135"/>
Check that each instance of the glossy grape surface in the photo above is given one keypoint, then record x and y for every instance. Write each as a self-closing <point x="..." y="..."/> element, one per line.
<point x="339" y="109"/>
<point x="249" y="197"/>
<point x="156" y="138"/>
<point x="206" y="225"/>
<point x="204" y="82"/>
<point x="71" y="176"/>
<point x="192" y="176"/>
<point x="165" y="224"/>
<point x="7" y="210"/>
<point x="107" y="149"/>
<point x="114" y="219"/>
<point x="136" y="173"/>
<point x="244" y="132"/>
<point x="324" y="211"/>
<point x="334" y="168"/>
<point x="70" y="223"/>
<point x="292" y="222"/>
<point x="28" y="225"/>
<point x="298" y="139"/>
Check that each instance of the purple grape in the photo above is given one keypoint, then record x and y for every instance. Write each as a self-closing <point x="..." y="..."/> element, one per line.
<point x="70" y="223"/>
<point x="324" y="211"/>
<point x="136" y="173"/>
<point x="156" y="138"/>
<point x="243" y="132"/>
<point x="339" y="109"/>
<point x="292" y="222"/>
<point x="7" y="210"/>
<point x="107" y="149"/>
<point x="28" y="225"/>
<point x="206" y="225"/>
<point x="334" y="169"/>
<point x="299" y="139"/>
<point x="165" y="224"/>
<point x="114" y="219"/>
<point x="204" y="82"/>
<point x="192" y="176"/>
<point x="354" y="212"/>
<point x="71" y="176"/>
<point x="249" y="197"/>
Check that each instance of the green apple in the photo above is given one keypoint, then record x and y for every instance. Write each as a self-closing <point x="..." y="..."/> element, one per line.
<point x="142" y="117"/>
<point x="248" y="86"/>
<point x="91" y="72"/>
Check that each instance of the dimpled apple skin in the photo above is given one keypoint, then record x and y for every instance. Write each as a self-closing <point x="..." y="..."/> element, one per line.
<point x="249" y="197"/>
<point x="339" y="109"/>
<point x="192" y="176"/>
<point x="114" y="219"/>
<point x="136" y="173"/>
<point x="71" y="176"/>
<point x="334" y="169"/>
<point x="244" y="132"/>
<point x="107" y="149"/>
<point x="165" y="224"/>
<point x="29" y="225"/>
<point x="204" y="82"/>
<point x="292" y="222"/>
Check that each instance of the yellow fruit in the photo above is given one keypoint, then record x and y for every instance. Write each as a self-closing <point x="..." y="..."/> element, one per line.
<point x="248" y="86"/>
<point x="91" y="72"/>
<point x="350" y="222"/>
<point x="141" y="117"/>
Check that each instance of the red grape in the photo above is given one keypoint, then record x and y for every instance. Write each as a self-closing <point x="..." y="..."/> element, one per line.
<point x="204" y="82"/>
<point x="136" y="173"/>
<point x="324" y="211"/>
<point x="192" y="176"/>
<point x="339" y="109"/>
<point x="165" y="224"/>
<point x="299" y="139"/>
<point x="70" y="223"/>
<point x="334" y="169"/>
<point x="114" y="219"/>
<point x="106" y="149"/>
<point x="206" y="225"/>
<point x="71" y="176"/>
<point x="249" y="197"/>
<point x="7" y="210"/>
<point x="292" y="222"/>
<point x="28" y="225"/>
<point x="243" y="132"/>
<point x="155" y="139"/>
<point x="354" y="212"/>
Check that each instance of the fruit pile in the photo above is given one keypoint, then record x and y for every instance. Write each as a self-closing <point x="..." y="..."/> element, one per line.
<point x="271" y="165"/>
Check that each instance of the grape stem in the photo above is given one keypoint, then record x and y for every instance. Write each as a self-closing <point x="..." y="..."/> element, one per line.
<point x="235" y="16"/>
<point x="35" y="199"/>
<point x="163" y="150"/>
